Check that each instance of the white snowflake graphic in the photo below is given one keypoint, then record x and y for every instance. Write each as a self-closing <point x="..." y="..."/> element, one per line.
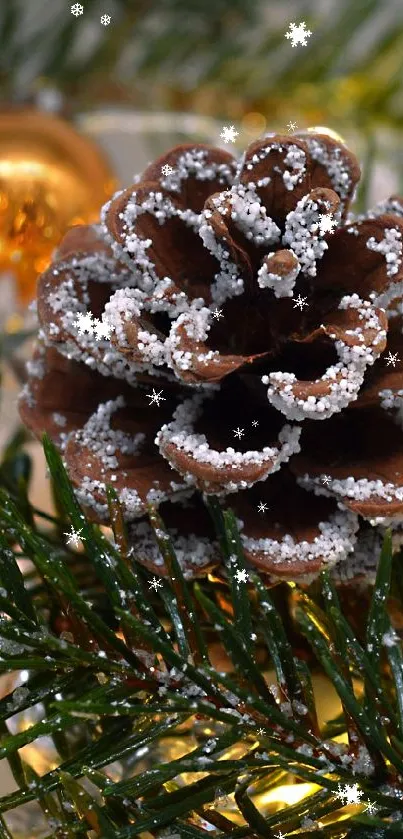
<point x="350" y="794"/>
<point x="241" y="576"/>
<point x="326" y="223"/>
<point x="255" y="423"/>
<point x="392" y="358"/>
<point x="167" y="170"/>
<point x="371" y="808"/>
<point x="280" y="835"/>
<point x="93" y="326"/>
<point x="326" y="480"/>
<point x="261" y="731"/>
<point x="156" y="397"/>
<point x="103" y="329"/>
<point x="239" y="432"/>
<point x="299" y="302"/>
<point x="262" y="507"/>
<point x="298" y="34"/>
<point x="228" y="134"/>
<point x="73" y="538"/>
<point x="217" y="314"/>
<point x="77" y="9"/>
<point x="106" y="19"/>
<point x="85" y="323"/>
<point x="155" y="584"/>
<point x="292" y="126"/>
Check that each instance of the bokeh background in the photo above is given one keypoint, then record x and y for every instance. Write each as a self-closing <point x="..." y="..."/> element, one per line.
<point x="164" y="68"/>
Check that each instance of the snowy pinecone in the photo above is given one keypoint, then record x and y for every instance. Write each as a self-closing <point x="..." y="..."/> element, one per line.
<point x="225" y="330"/>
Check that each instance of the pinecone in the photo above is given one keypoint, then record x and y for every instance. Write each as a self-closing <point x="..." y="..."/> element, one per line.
<point x="223" y="331"/>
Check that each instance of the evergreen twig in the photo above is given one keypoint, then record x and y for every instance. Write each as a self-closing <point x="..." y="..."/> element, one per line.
<point x="241" y="731"/>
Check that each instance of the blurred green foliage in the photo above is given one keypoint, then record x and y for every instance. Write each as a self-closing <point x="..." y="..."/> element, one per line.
<point x="216" y="56"/>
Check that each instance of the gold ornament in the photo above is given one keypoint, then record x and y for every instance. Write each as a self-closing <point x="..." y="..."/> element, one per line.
<point x="51" y="177"/>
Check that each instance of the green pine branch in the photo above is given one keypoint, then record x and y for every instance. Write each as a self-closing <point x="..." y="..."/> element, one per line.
<point x="122" y="672"/>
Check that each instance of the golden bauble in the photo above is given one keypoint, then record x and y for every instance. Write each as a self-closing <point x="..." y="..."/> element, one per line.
<point x="51" y="177"/>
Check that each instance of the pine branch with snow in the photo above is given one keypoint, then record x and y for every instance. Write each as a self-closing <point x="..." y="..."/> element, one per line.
<point x="110" y="669"/>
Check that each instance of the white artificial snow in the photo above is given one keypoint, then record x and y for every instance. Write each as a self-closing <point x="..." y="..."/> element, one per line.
<point x="195" y="163"/>
<point x="59" y="419"/>
<point x="282" y="286"/>
<point x="343" y="380"/>
<point x="104" y="441"/>
<point x="359" y="489"/>
<point x="125" y="307"/>
<point x="391" y="248"/>
<point x="242" y="204"/>
<point x="179" y="433"/>
<point x="301" y="234"/>
<point x="360" y="566"/>
<point x="333" y="161"/>
<point x="336" y="540"/>
<point x="294" y="159"/>
<point x="226" y="282"/>
<point x="191" y="551"/>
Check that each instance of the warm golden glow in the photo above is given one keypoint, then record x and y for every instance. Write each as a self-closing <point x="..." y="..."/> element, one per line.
<point x="253" y="124"/>
<point x="323" y="129"/>
<point x="51" y="177"/>
<point x="287" y="794"/>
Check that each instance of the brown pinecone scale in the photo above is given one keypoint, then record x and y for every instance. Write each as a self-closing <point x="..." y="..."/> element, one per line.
<point x="228" y="329"/>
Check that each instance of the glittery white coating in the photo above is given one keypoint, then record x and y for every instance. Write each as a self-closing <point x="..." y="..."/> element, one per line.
<point x="334" y="163"/>
<point x="344" y="378"/>
<point x="104" y="441"/>
<point x="180" y="433"/>
<point x="358" y="489"/>
<point x="283" y="286"/>
<point x="301" y="234"/>
<point x="335" y="540"/>
<point x="196" y="551"/>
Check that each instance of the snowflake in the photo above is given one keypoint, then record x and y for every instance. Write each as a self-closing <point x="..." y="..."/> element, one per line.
<point x="77" y="9"/>
<point x="229" y="133"/>
<point x="298" y="34"/>
<point x="262" y="507"/>
<point x="280" y="835"/>
<point x="292" y="126"/>
<point x="156" y="397"/>
<point x="155" y="583"/>
<point x="392" y="358"/>
<point x="371" y="808"/>
<point x="167" y="170"/>
<point x="261" y="731"/>
<point x="105" y="19"/>
<point x="255" y="423"/>
<point x="300" y="301"/>
<point x="85" y="323"/>
<point x="326" y="479"/>
<point x="74" y="537"/>
<point x="241" y="576"/>
<point x="238" y="432"/>
<point x="103" y="329"/>
<point x="217" y="314"/>
<point x="326" y="223"/>
<point x="350" y="794"/>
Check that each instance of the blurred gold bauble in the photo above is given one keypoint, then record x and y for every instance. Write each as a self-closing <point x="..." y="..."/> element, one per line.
<point x="51" y="177"/>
